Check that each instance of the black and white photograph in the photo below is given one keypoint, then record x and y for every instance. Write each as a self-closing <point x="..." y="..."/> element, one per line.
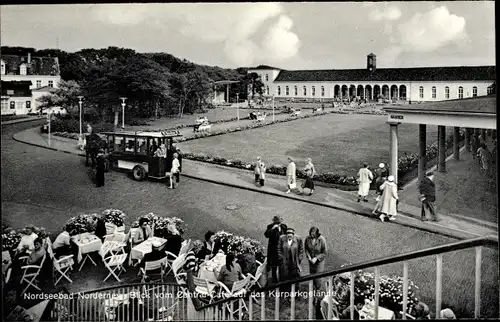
<point x="250" y="161"/>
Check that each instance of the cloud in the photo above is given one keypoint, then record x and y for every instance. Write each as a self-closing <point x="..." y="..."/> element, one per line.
<point x="233" y="25"/>
<point x="387" y="13"/>
<point x="432" y="30"/>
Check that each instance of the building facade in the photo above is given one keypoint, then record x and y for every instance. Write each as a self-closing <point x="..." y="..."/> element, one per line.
<point x="37" y="72"/>
<point x="421" y="84"/>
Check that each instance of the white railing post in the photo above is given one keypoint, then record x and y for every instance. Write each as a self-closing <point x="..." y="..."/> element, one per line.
<point x="311" y="298"/>
<point x="477" y="293"/>
<point x="262" y="306"/>
<point x="250" y="307"/>
<point x="351" y="300"/>
<point x="292" y="303"/>
<point x="377" y="291"/>
<point x="330" y="295"/>
<point x="277" y="305"/>
<point x="405" y="289"/>
<point x="231" y="309"/>
<point x="240" y="308"/>
<point x="439" y="282"/>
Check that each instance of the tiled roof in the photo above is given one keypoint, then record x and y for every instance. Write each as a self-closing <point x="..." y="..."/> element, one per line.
<point x="480" y="104"/>
<point x="265" y="67"/>
<point x="46" y="66"/>
<point x="465" y="73"/>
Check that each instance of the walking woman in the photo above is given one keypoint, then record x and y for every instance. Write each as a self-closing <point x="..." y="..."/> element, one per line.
<point x="315" y="247"/>
<point x="256" y="170"/>
<point x="291" y="175"/>
<point x="310" y="173"/>
<point x="290" y="253"/>
<point x="389" y="199"/>
<point x="485" y="156"/>
<point x="262" y="174"/>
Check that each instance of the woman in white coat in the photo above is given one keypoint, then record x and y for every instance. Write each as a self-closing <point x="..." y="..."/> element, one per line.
<point x="291" y="175"/>
<point x="389" y="199"/>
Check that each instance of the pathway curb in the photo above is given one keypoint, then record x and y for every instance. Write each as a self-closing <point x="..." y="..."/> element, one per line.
<point x="445" y="231"/>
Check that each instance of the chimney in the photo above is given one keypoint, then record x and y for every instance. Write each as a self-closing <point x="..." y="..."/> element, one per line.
<point x="371" y="62"/>
<point x="29" y="58"/>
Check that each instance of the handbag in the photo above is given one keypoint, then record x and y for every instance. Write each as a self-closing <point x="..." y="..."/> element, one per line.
<point x="292" y="185"/>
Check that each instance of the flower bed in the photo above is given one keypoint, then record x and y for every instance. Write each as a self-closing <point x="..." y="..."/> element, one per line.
<point x="161" y="225"/>
<point x="240" y="245"/>
<point x="80" y="224"/>
<point x="390" y="292"/>
<point x="114" y="220"/>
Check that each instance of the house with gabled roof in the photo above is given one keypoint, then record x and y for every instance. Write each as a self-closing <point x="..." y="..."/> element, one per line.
<point x="34" y="72"/>
<point x="417" y="84"/>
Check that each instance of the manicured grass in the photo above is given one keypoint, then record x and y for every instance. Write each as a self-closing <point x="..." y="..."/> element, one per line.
<point x="4" y="118"/>
<point x="338" y="143"/>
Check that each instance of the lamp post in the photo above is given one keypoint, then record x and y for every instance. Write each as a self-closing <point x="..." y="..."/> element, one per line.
<point x="273" y="107"/>
<point x="238" y="106"/>
<point x="49" y="116"/>
<point x="80" y="138"/>
<point x="123" y="111"/>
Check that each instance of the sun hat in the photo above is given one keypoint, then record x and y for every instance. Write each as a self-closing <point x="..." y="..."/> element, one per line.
<point x="381" y="165"/>
<point x="390" y="178"/>
<point x="290" y="231"/>
<point x="447" y="314"/>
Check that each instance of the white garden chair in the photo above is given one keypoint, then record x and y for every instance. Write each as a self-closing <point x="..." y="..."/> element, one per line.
<point x="239" y="289"/>
<point x="130" y="236"/>
<point x="186" y="245"/>
<point x="114" y="263"/>
<point x="170" y="262"/>
<point x="204" y="287"/>
<point x="167" y="314"/>
<point x="61" y="266"/>
<point x="258" y="274"/>
<point x="118" y="240"/>
<point x="154" y="266"/>
<point x="30" y="274"/>
<point x="176" y="268"/>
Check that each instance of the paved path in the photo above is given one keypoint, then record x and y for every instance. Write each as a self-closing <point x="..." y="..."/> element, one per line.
<point x="452" y="226"/>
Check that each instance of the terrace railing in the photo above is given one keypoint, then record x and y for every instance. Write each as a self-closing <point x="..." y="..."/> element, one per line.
<point x="218" y="311"/>
<point x="158" y="298"/>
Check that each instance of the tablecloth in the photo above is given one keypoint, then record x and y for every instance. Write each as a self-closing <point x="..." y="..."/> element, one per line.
<point x="368" y="313"/>
<point x="207" y="269"/>
<point x="94" y="244"/>
<point x="145" y="247"/>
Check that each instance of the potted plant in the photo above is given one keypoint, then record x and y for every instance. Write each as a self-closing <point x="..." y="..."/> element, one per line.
<point x="114" y="220"/>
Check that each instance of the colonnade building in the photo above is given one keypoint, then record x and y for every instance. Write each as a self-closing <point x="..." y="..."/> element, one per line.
<point x="417" y="84"/>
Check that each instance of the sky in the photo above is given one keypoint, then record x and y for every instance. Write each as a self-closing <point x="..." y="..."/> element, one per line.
<point x="310" y="35"/>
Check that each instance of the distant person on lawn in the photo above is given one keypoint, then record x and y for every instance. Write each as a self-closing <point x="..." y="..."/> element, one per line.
<point x="291" y="175"/>
<point x="485" y="157"/>
<point x="365" y="177"/>
<point x="175" y="172"/>
<point x="427" y="189"/>
<point x="273" y="232"/>
<point x="310" y="173"/>
<point x="256" y="170"/>
<point x="262" y="174"/>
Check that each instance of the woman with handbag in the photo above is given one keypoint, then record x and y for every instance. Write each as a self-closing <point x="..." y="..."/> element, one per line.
<point x="291" y="175"/>
<point x="310" y="173"/>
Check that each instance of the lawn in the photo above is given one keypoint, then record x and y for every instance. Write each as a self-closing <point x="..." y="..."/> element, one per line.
<point x="338" y="143"/>
<point x="5" y="118"/>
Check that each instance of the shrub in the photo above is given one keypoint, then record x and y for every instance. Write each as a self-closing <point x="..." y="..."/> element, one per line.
<point x="160" y="224"/>
<point x="80" y="224"/>
<point x="239" y="245"/>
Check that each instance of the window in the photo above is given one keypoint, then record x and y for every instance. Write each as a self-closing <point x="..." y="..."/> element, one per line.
<point x="12" y="105"/>
<point x="10" y="92"/>
<point x="287" y="91"/>
<point x="51" y="83"/>
<point x="447" y="92"/>
<point x="28" y="105"/>
<point x="22" y="69"/>
<point x="3" y="68"/>
<point x="322" y="90"/>
<point x="489" y="90"/>
<point x="313" y="90"/>
<point x="278" y="90"/>
<point x="142" y="146"/>
<point x="305" y="91"/>
<point x="433" y="91"/>
<point x="19" y="105"/>
<point x="474" y="91"/>
<point x="460" y="92"/>
<point x="296" y="91"/>
<point x="38" y="83"/>
<point x="5" y="105"/>
<point x="267" y="77"/>
<point x="129" y="144"/>
<point x="119" y="146"/>
<point x="421" y="91"/>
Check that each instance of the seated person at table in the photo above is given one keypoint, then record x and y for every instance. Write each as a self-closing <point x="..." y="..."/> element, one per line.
<point x="359" y="302"/>
<point x="229" y="273"/>
<point x="209" y="249"/>
<point x="143" y="233"/>
<point x="157" y="253"/>
<point x="61" y="245"/>
<point x="100" y="228"/>
<point x="27" y="241"/>
<point x="35" y="258"/>
<point x="174" y="241"/>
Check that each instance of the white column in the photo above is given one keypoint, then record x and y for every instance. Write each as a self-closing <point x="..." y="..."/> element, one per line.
<point x="394" y="150"/>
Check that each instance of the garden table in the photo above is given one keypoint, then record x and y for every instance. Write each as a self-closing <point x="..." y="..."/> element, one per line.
<point x="144" y="248"/>
<point x="86" y="244"/>
<point x="207" y="268"/>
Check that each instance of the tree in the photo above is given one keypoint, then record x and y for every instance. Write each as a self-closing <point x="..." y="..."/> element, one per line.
<point x="65" y="96"/>
<point x="254" y="84"/>
<point x="190" y="90"/>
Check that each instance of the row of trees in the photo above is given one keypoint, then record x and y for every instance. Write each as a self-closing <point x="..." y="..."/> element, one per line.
<point x="155" y="84"/>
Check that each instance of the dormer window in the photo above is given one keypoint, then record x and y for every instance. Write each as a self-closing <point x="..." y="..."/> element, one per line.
<point x="3" y="67"/>
<point x="23" y="69"/>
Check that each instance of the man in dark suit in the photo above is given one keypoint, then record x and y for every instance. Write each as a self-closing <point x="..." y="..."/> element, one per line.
<point x="273" y="232"/>
<point x="427" y="189"/>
